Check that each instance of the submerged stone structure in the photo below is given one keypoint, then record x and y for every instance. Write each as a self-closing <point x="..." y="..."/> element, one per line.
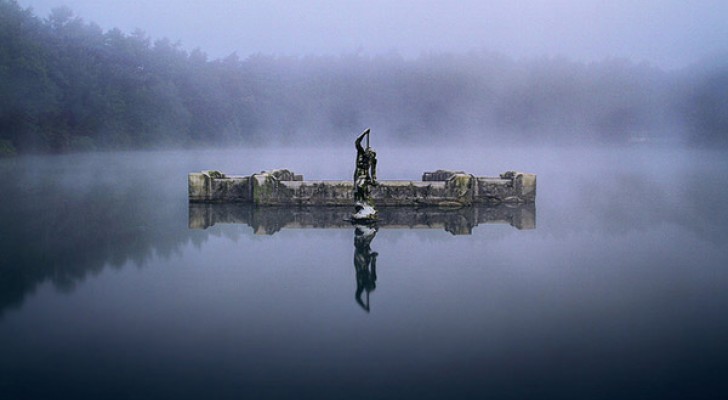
<point x="441" y="188"/>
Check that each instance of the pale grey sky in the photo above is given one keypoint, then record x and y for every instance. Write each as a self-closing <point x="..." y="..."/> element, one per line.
<point x="667" y="33"/>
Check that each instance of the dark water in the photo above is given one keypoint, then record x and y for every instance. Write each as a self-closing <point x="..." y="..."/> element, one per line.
<point x="615" y="285"/>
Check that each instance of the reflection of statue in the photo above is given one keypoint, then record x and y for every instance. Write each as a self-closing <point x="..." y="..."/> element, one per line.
<point x="365" y="262"/>
<point x="365" y="176"/>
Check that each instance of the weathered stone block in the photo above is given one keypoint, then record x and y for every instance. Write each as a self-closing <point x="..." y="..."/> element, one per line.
<point x="439" y="175"/>
<point x="198" y="187"/>
<point x="213" y="186"/>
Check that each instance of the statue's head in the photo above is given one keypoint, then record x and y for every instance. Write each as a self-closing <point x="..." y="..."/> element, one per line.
<point x="370" y="152"/>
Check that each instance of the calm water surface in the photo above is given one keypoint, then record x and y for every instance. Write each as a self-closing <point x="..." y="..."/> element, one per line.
<point x="615" y="285"/>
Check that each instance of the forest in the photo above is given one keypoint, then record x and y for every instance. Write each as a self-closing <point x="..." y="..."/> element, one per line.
<point x="68" y="85"/>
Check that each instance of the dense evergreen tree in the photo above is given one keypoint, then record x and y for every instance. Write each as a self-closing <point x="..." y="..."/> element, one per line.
<point x="65" y="84"/>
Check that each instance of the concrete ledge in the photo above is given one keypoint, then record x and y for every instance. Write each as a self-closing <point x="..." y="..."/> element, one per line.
<point x="284" y="188"/>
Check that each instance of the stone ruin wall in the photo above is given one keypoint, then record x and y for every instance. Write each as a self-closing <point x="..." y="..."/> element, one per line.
<point x="285" y="188"/>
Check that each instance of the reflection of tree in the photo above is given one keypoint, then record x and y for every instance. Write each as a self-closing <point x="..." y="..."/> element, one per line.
<point x="66" y="221"/>
<point x="365" y="263"/>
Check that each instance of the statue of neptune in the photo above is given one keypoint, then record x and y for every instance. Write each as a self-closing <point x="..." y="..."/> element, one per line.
<point x="365" y="177"/>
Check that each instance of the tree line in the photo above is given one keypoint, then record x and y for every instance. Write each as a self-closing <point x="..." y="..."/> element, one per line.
<point x="68" y="85"/>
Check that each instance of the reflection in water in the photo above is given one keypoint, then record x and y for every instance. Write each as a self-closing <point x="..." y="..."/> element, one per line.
<point x="365" y="263"/>
<point x="626" y="272"/>
<point x="269" y="220"/>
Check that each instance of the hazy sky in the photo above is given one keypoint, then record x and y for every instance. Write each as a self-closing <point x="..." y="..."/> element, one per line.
<point x="668" y="33"/>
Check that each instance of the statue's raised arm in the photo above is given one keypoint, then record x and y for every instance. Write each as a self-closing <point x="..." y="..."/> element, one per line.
<point x="359" y="148"/>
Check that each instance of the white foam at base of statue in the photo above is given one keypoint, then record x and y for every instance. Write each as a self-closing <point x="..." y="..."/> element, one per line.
<point x="364" y="212"/>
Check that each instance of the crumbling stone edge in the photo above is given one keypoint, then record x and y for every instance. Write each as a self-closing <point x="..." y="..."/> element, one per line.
<point x="282" y="187"/>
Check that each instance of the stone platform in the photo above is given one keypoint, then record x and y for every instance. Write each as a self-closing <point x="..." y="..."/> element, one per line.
<point x="285" y="188"/>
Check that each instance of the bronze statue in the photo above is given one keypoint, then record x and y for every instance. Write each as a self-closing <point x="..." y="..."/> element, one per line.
<point x="365" y="177"/>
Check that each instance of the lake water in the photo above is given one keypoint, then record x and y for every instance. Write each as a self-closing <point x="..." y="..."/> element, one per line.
<point x="614" y="285"/>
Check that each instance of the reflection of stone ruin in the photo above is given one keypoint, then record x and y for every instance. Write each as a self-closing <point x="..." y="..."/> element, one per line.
<point x="269" y="220"/>
<point x="284" y="188"/>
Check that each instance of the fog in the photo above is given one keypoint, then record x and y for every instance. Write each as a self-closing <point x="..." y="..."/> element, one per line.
<point x="670" y="34"/>
<point x="69" y="217"/>
<point x="130" y="75"/>
<point x="615" y="287"/>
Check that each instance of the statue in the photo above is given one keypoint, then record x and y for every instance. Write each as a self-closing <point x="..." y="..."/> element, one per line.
<point x="365" y="177"/>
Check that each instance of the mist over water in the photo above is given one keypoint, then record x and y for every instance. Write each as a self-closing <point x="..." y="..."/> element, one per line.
<point x="618" y="291"/>
<point x="612" y="285"/>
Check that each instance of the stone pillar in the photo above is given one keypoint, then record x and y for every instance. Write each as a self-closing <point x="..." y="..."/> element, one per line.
<point x="461" y="187"/>
<point x="199" y="186"/>
<point x="263" y="189"/>
<point x="525" y="185"/>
